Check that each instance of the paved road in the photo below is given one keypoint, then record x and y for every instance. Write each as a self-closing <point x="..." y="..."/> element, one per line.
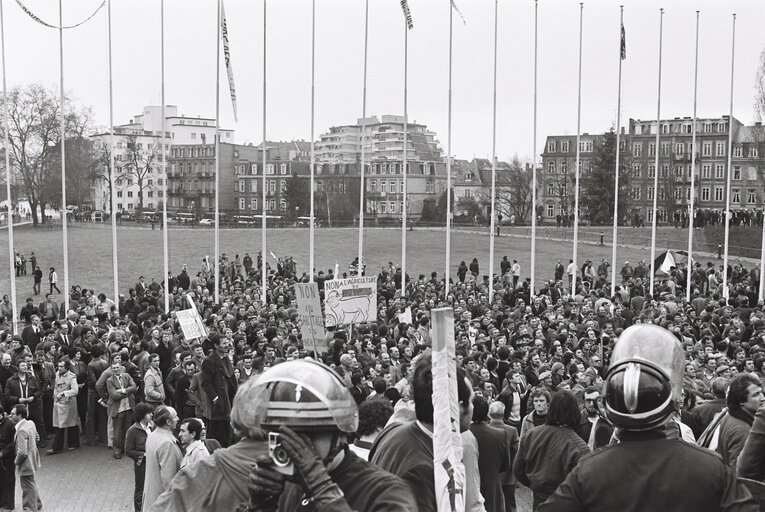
<point x="91" y="480"/>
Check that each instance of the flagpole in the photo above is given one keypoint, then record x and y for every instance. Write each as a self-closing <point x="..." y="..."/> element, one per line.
<point x="165" y="252"/>
<point x="693" y="168"/>
<point x="216" y="265"/>
<point x="65" y="243"/>
<point x="7" y="146"/>
<point x="652" y="277"/>
<point x="361" y="138"/>
<point x="618" y="153"/>
<point x="578" y="162"/>
<point x="403" y="165"/>
<point x="112" y="177"/>
<point x="263" y="264"/>
<point x="730" y="154"/>
<point x="534" y="164"/>
<point x="313" y="153"/>
<point x="493" y="162"/>
<point x="449" y="161"/>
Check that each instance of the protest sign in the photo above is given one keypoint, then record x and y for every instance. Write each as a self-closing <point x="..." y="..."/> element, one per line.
<point x="311" y="322"/>
<point x="350" y="301"/>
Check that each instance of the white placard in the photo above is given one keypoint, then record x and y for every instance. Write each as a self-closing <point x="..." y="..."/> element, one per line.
<point x="311" y="321"/>
<point x="350" y="301"/>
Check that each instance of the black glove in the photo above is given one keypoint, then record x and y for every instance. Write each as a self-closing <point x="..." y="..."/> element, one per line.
<point x="311" y="473"/>
<point x="266" y="486"/>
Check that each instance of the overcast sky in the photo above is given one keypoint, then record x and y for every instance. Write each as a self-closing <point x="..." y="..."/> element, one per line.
<point x="190" y="32"/>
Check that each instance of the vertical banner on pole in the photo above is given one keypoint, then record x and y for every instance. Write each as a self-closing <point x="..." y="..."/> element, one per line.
<point x="578" y="161"/>
<point x="63" y="159"/>
<point x="726" y="292"/>
<point x="493" y="162"/>
<point x="449" y="472"/>
<point x="311" y="321"/>
<point x="691" y="219"/>
<point x="7" y="151"/>
<point x="652" y="277"/>
<point x="534" y="165"/>
<point x="362" y="137"/>
<point x="622" y="56"/>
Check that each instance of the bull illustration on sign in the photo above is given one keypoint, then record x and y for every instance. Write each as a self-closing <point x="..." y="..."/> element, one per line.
<point x="350" y="301"/>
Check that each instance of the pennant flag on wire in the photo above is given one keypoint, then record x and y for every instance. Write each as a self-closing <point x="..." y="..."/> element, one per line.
<point x="46" y="24"/>
<point x="454" y="6"/>
<point x="624" y="44"/>
<point x="407" y="14"/>
<point x="227" y="57"/>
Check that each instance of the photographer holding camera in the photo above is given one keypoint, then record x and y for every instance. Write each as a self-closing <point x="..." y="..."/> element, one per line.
<point x="308" y="413"/>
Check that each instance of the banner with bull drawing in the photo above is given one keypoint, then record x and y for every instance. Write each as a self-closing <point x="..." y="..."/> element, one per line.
<point x="350" y="301"/>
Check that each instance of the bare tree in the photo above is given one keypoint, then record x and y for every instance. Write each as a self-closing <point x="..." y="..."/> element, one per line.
<point x="139" y="163"/>
<point x="513" y="190"/>
<point x="102" y="171"/>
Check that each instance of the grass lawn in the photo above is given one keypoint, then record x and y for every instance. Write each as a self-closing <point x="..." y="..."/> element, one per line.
<point x="140" y="251"/>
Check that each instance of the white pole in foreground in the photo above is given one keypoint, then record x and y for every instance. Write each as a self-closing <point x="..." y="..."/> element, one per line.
<point x="403" y="164"/>
<point x="7" y="146"/>
<point x="618" y="153"/>
<point x="493" y="162"/>
<point x="65" y="242"/>
<point x="112" y="177"/>
<point x="652" y="277"/>
<point x="263" y="264"/>
<point x="730" y="169"/>
<point x="361" y="139"/>
<point x="693" y="169"/>
<point x="534" y="164"/>
<point x="449" y="162"/>
<point x="313" y="154"/>
<point x="578" y="162"/>
<point x="216" y="264"/>
<point x="165" y="252"/>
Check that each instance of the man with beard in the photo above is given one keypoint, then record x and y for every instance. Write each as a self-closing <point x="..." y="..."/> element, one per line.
<point x="186" y="402"/>
<point x="595" y="430"/>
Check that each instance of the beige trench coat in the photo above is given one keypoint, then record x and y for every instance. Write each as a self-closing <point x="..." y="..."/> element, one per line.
<point x="65" y="407"/>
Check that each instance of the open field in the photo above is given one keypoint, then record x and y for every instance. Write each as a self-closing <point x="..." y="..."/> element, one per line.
<point x="140" y="250"/>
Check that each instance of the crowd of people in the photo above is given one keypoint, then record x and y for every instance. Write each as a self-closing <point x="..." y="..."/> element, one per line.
<point x="122" y="374"/>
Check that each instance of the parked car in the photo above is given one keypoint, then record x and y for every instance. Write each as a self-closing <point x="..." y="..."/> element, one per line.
<point x="206" y="222"/>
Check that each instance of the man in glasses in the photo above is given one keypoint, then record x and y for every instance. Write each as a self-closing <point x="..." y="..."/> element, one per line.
<point x="593" y="428"/>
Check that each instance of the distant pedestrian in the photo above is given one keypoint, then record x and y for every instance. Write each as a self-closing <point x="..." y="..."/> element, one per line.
<point x="53" y="280"/>
<point x="38" y="280"/>
<point x="33" y="261"/>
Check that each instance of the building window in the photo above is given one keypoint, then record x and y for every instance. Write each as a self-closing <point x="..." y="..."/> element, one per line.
<point x="722" y="127"/>
<point x="468" y="176"/>
<point x="737" y="172"/>
<point x="736" y="195"/>
<point x="253" y="203"/>
<point x="678" y="194"/>
<point x="392" y="207"/>
<point x="662" y="195"/>
<point x="253" y="186"/>
<point x="130" y="206"/>
<point x="665" y="149"/>
<point x="429" y="186"/>
<point x="130" y="193"/>
<point x="150" y="194"/>
<point x="636" y="193"/>
<point x="283" y="186"/>
<point x="679" y="149"/>
<point x="373" y="185"/>
<point x="563" y="167"/>
<point x="706" y="171"/>
<point x="272" y="205"/>
<point x="383" y="186"/>
<point x="753" y="151"/>
<point x="254" y="169"/>
<point x="282" y="169"/>
<point x="705" y="193"/>
<point x="550" y="211"/>
<point x="551" y="168"/>
<point x="550" y="189"/>
<point x="651" y="170"/>
<point x="678" y="171"/>
<point x="564" y="146"/>
<point x="737" y="150"/>
<point x="637" y="149"/>
<point x="269" y="168"/>
<point x="650" y="194"/>
<point x="652" y="149"/>
<point x="241" y="186"/>
<point x="241" y="203"/>
<point x="636" y="170"/>
<point x="119" y="193"/>
<point x="585" y="146"/>
<point x="551" y="146"/>
<point x="707" y="127"/>
<point x="467" y="193"/>
<point x="750" y="196"/>
<point x="706" y="147"/>
<point x="272" y="186"/>
<point x="720" y="148"/>
<point x="383" y="208"/>
<point x="283" y="204"/>
<point x="665" y="128"/>
<point x="686" y="128"/>
<point x="718" y="193"/>
<point x="719" y="171"/>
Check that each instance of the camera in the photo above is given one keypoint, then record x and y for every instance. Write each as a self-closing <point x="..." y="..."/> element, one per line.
<point x="282" y="462"/>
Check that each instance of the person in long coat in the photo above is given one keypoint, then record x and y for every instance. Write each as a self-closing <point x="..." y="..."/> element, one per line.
<point x="65" y="417"/>
<point x="163" y="456"/>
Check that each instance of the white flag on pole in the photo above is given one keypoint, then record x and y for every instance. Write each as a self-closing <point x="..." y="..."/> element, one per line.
<point x="227" y="57"/>
<point x="407" y="14"/>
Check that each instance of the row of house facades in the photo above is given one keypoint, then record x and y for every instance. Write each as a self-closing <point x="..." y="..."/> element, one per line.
<point x="190" y="163"/>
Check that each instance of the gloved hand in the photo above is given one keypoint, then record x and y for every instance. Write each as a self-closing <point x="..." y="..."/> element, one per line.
<point x="266" y="485"/>
<point x="311" y="473"/>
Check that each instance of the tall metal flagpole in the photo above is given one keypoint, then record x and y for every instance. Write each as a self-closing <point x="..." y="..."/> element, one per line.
<point x="493" y="162"/>
<point x="730" y="169"/>
<point x="313" y="154"/>
<point x="656" y="162"/>
<point x="165" y="251"/>
<point x="216" y="265"/>
<point x="403" y="164"/>
<point x="693" y="168"/>
<point x="112" y="177"/>
<point x="7" y="147"/>
<point x="65" y="243"/>
<point x="449" y="161"/>
<point x="618" y="153"/>
<point x="578" y="162"/>
<point x="534" y="164"/>
<point x="361" y="138"/>
<point x="263" y="264"/>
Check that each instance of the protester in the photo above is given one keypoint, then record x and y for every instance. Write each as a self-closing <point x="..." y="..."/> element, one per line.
<point x="135" y="448"/>
<point x="65" y="418"/>
<point x="7" y="452"/>
<point x="163" y="456"/>
<point x="27" y="461"/>
<point x="190" y="435"/>
<point x="373" y="416"/>
<point x="120" y="405"/>
<point x="507" y="478"/>
<point x="494" y="455"/>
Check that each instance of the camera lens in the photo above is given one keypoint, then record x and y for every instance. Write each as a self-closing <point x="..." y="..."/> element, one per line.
<point x="280" y="456"/>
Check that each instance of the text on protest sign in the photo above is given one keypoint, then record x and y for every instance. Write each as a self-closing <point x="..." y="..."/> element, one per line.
<point x="350" y="301"/>
<point x="191" y="324"/>
<point x="311" y="321"/>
